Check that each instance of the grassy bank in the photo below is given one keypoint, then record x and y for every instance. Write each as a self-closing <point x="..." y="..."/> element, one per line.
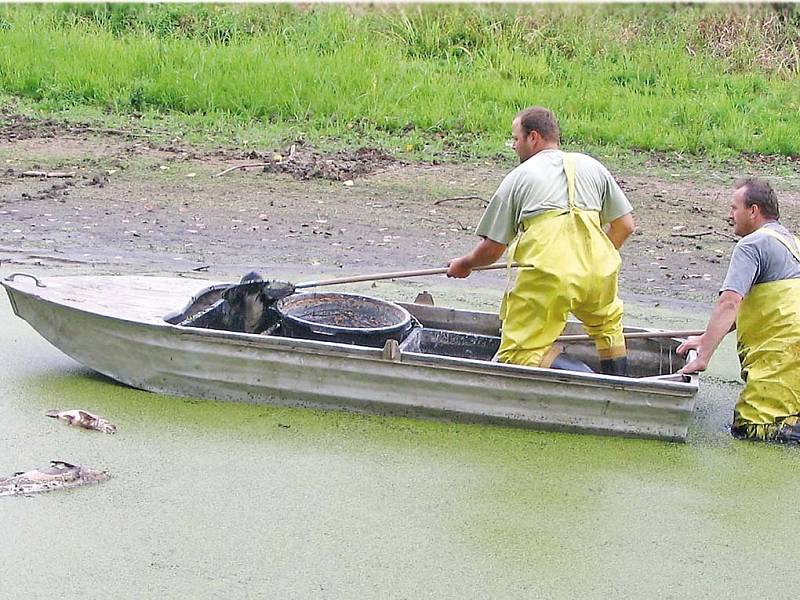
<point x="718" y="80"/>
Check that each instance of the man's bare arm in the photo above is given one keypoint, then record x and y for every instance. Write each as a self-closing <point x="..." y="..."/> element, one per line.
<point x="722" y="320"/>
<point x="484" y="253"/>
<point x="620" y="229"/>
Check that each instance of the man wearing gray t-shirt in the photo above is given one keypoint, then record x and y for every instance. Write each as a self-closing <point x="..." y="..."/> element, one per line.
<point x="761" y="299"/>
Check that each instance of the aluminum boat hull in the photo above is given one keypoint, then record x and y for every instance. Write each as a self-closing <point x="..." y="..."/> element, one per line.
<point x="123" y="327"/>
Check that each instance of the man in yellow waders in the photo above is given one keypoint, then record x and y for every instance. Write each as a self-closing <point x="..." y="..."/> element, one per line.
<point x="550" y="212"/>
<point x="761" y="299"/>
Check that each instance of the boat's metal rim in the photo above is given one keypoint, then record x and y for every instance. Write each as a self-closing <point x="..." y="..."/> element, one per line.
<point x="440" y="361"/>
<point x="365" y="352"/>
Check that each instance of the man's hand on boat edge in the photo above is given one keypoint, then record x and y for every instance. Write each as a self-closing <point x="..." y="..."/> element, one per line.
<point x="700" y="363"/>
<point x="721" y="322"/>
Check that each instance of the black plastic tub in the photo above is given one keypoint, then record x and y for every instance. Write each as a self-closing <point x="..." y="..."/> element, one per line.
<point x="343" y="318"/>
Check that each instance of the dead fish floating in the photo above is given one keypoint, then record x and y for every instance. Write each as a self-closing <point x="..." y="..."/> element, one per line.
<point x="81" y="418"/>
<point x="59" y="475"/>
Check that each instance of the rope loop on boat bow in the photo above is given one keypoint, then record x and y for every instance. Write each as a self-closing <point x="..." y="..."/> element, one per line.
<point x="38" y="283"/>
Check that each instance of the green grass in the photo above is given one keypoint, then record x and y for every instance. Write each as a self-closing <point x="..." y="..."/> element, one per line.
<point x="435" y="80"/>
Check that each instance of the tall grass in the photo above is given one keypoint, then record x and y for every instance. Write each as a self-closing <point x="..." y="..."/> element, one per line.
<point x="704" y="79"/>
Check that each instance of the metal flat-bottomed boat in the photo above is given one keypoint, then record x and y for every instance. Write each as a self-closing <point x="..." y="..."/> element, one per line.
<point x="134" y="329"/>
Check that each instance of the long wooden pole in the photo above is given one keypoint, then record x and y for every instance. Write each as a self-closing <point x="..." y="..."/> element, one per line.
<point x="632" y="335"/>
<point x="393" y="275"/>
<point x="499" y="265"/>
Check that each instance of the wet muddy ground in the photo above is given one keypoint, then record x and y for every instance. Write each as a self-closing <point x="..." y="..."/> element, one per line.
<point x="118" y="200"/>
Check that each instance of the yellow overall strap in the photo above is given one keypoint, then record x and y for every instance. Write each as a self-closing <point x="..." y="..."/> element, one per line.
<point x="783" y="241"/>
<point x="569" y="171"/>
<point x="512" y="249"/>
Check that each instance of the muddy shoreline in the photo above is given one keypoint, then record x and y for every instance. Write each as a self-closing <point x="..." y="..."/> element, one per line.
<point x="113" y="201"/>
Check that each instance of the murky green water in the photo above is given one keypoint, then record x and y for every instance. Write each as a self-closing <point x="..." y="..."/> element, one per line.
<point x="212" y="500"/>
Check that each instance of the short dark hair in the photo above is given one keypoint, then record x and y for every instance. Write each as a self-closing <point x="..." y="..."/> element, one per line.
<point x="760" y="193"/>
<point x="541" y="119"/>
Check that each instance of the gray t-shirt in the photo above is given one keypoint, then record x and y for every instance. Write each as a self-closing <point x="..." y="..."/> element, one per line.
<point x="760" y="258"/>
<point x="540" y="184"/>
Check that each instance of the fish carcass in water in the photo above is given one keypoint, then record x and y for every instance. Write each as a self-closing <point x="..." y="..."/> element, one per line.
<point x="57" y="476"/>
<point x="81" y="418"/>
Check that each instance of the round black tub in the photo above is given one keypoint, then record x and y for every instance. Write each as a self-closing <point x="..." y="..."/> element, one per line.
<point x="343" y="318"/>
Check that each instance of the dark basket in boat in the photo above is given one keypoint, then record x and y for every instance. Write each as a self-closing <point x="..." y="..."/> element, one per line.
<point x="343" y="318"/>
